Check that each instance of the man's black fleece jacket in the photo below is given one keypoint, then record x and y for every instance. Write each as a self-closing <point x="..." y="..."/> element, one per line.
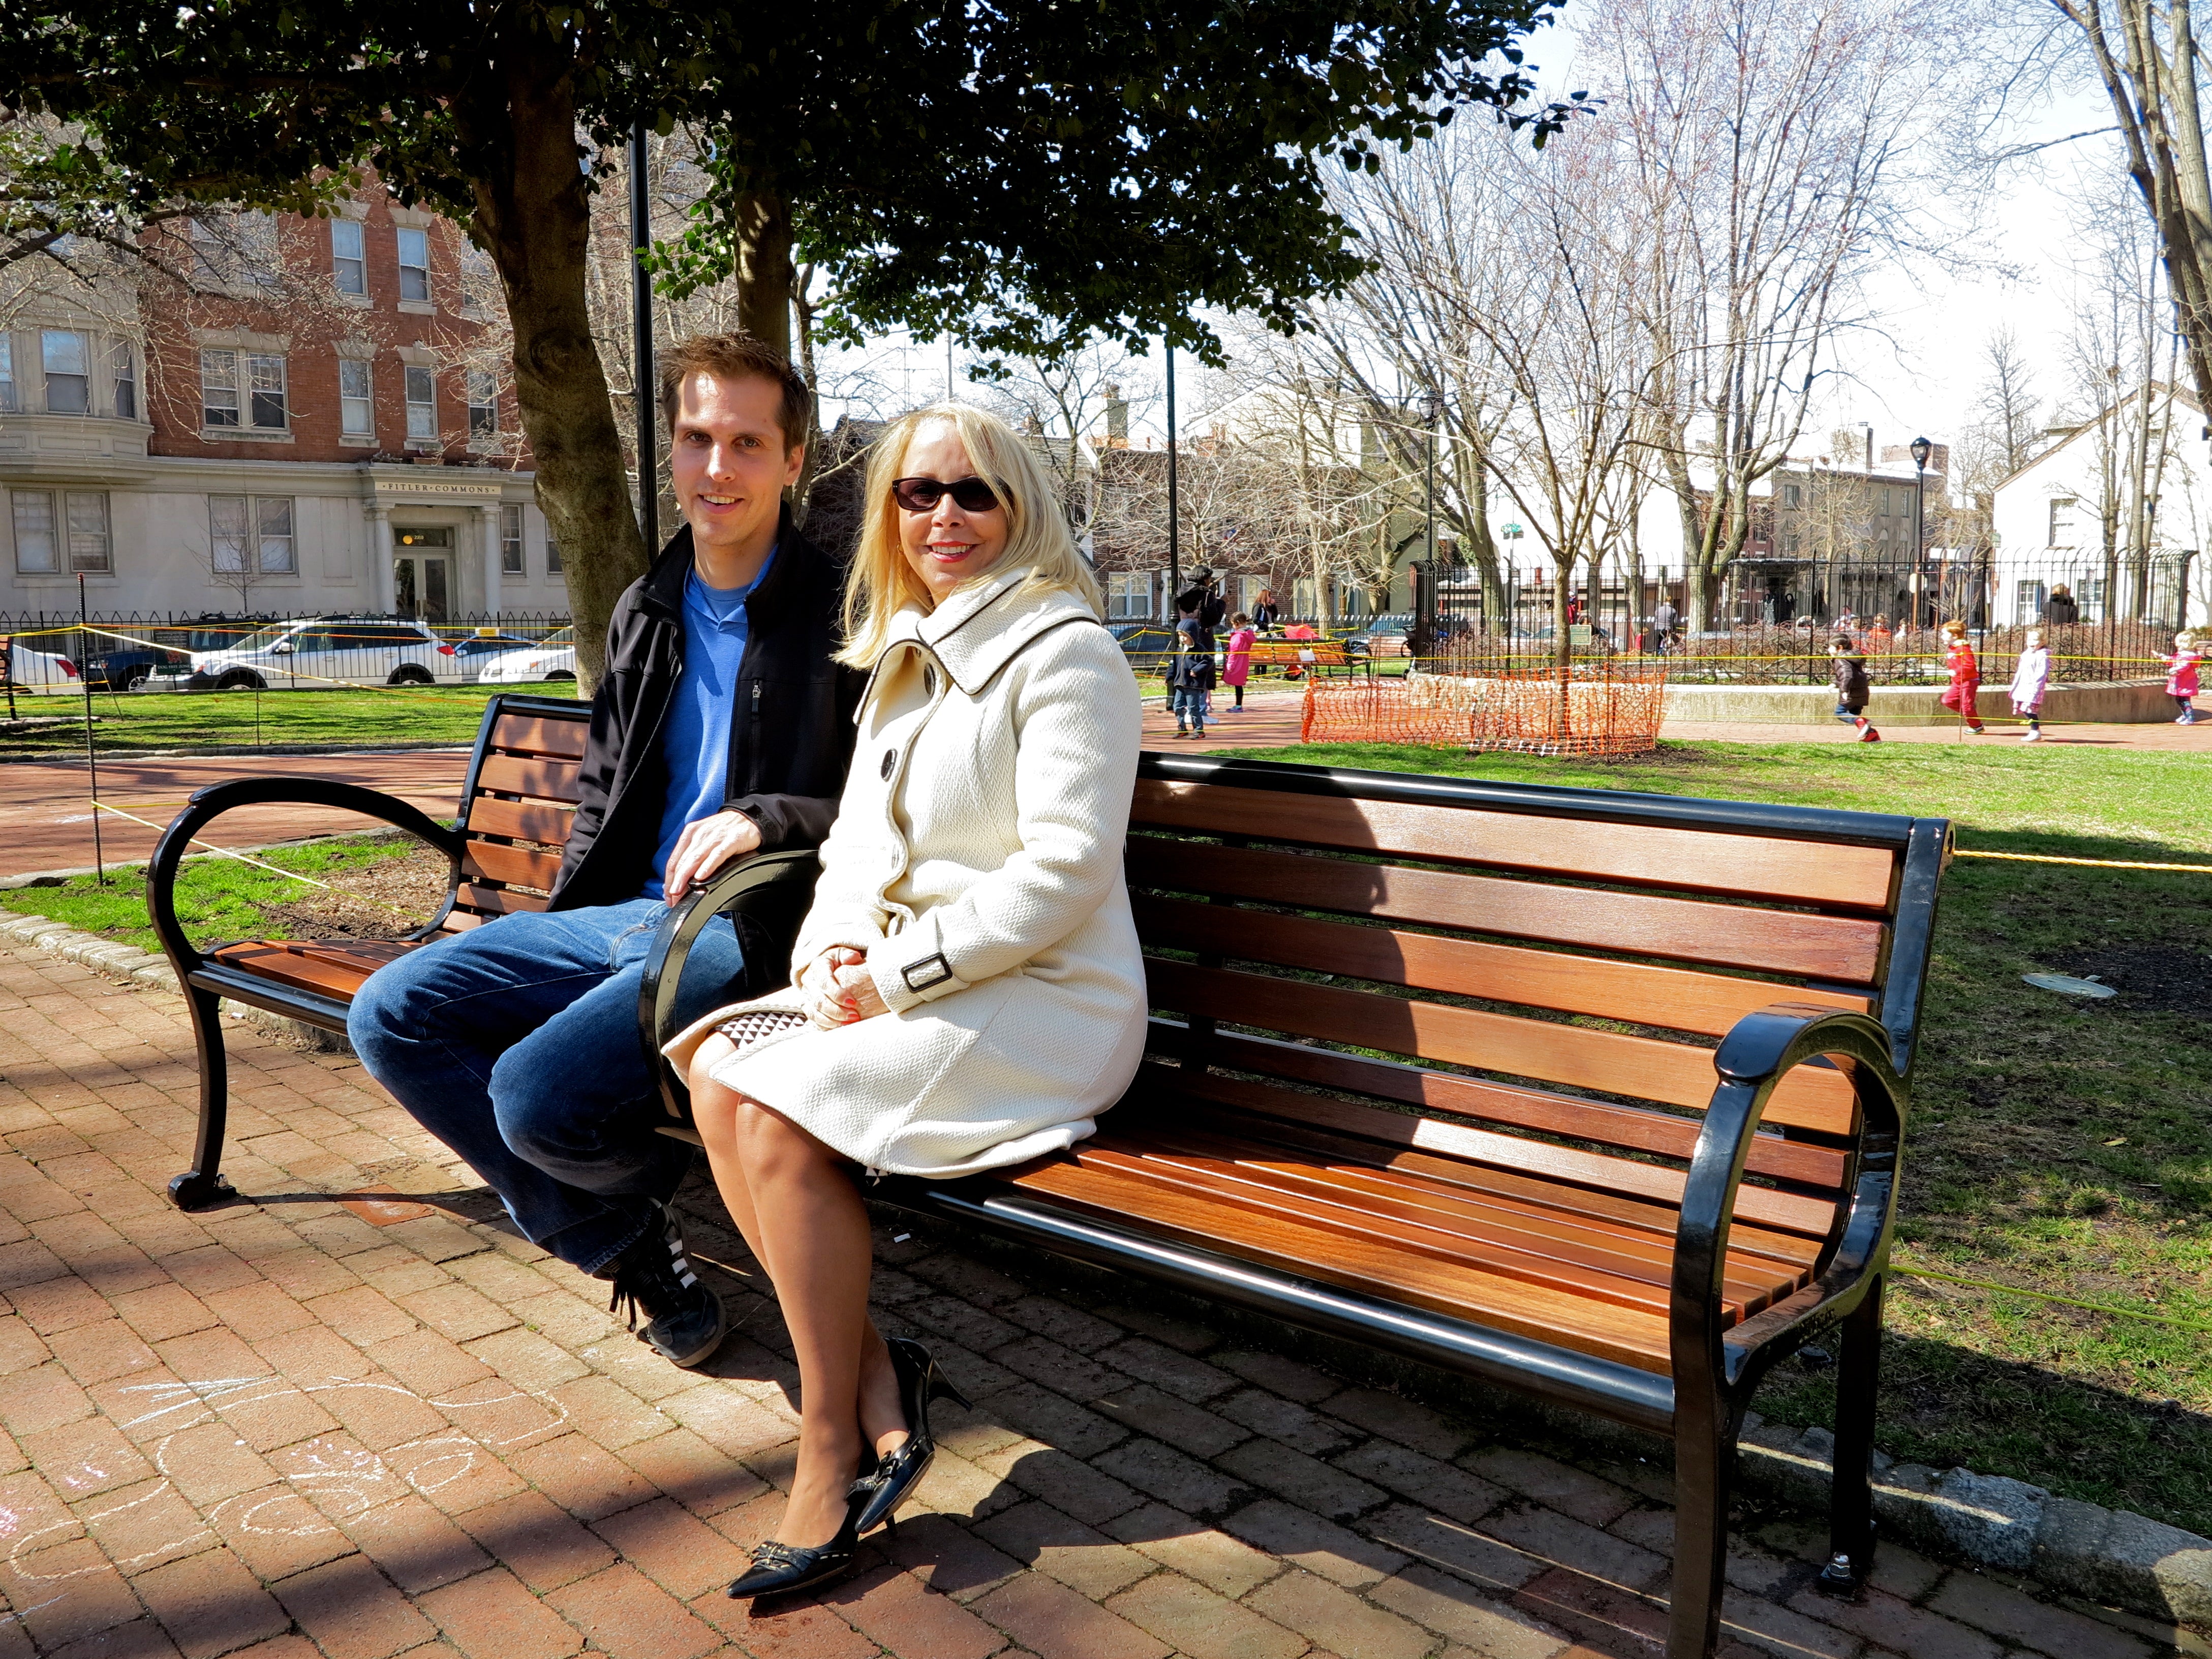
<point x="791" y="733"/>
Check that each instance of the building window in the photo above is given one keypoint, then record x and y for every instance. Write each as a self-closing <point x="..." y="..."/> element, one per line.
<point x="2062" y="531"/>
<point x="510" y="541"/>
<point x="552" y="558"/>
<point x="1128" y="595"/>
<point x="414" y="265"/>
<point x="265" y="372"/>
<point x="349" y="265"/>
<point x="126" y="381"/>
<point x="252" y="535"/>
<point x="36" y="552"/>
<point x="7" y="375"/>
<point x="2028" y="596"/>
<point x="1792" y="495"/>
<point x="258" y="251"/>
<point x="218" y="388"/>
<point x="68" y="371"/>
<point x="421" y="406"/>
<point x="480" y="287"/>
<point x="208" y="254"/>
<point x="356" y="410"/>
<point x="40" y="537"/>
<point x="483" y="404"/>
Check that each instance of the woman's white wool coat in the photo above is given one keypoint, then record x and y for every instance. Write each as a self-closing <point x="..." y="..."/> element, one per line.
<point x="976" y="859"/>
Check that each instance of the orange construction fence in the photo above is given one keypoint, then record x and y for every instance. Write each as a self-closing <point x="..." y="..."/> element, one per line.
<point x="1585" y="709"/>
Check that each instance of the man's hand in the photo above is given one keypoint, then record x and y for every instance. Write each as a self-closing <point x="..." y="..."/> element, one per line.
<point x="705" y="845"/>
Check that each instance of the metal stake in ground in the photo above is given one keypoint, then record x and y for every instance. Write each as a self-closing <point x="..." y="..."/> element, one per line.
<point x="91" y="758"/>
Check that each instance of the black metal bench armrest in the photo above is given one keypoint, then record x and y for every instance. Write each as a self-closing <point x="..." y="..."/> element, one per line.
<point x="1760" y="1050"/>
<point x="210" y="804"/>
<point x="771" y="889"/>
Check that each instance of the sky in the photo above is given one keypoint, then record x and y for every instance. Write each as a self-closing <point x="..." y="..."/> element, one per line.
<point x="1921" y="371"/>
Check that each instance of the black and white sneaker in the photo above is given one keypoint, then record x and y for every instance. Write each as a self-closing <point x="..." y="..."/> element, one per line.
<point x="684" y="1319"/>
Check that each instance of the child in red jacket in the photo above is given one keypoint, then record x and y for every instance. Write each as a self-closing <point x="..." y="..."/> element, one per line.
<point x="2181" y="676"/>
<point x="1965" y="689"/>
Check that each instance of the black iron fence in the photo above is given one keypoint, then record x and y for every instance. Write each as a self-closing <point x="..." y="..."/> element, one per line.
<point x="2103" y="618"/>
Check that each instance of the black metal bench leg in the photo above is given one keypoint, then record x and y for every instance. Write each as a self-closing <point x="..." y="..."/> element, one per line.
<point x="203" y="1187"/>
<point x="1705" y="1463"/>
<point x="1851" y="1511"/>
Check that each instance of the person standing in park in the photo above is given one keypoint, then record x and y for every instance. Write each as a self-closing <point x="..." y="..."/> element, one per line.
<point x="1847" y="669"/>
<point x="721" y="727"/>
<point x="2031" y="678"/>
<point x="1236" y="658"/>
<point x="1963" y="695"/>
<point x="967" y="989"/>
<point x="1190" y="680"/>
<point x="1202" y="601"/>
<point x="1663" y="621"/>
<point x="1264" y="613"/>
<point x="2062" y="609"/>
<point x="2181" y="683"/>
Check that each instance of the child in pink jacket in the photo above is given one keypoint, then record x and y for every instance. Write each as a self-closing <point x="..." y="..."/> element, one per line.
<point x="1236" y="663"/>
<point x="2181" y="677"/>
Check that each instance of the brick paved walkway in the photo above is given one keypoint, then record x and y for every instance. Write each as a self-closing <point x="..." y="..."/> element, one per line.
<point x="381" y="1428"/>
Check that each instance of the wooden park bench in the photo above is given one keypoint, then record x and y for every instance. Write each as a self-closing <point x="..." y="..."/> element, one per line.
<point x="505" y="850"/>
<point x="1592" y="1094"/>
<point x="1308" y="654"/>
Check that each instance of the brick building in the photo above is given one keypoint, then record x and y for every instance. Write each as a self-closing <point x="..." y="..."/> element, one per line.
<point x="270" y="414"/>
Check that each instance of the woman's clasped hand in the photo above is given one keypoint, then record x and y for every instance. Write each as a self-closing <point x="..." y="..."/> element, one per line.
<point x="838" y="989"/>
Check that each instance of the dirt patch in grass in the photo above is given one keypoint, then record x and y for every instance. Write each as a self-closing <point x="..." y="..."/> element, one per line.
<point x="387" y="899"/>
<point x="2163" y="979"/>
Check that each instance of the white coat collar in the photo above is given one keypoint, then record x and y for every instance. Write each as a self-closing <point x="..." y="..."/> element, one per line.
<point x="981" y="628"/>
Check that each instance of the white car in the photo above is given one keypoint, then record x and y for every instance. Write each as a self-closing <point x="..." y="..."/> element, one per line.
<point x="36" y="671"/>
<point x="553" y="657"/>
<point x="332" y="650"/>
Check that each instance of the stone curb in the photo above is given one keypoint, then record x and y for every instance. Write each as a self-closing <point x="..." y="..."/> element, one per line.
<point x="2110" y="1558"/>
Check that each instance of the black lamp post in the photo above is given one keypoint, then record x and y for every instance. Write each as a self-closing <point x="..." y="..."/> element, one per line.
<point x="1922" y="449"/>
<point x="641" y="380"/>
<point x="1175" y="520"/>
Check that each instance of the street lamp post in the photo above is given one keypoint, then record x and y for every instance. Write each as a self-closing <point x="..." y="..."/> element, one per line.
<point x="641" y="380"/>
<point x="1921" y="450"/>
<point x="1424" y="597"/>
<point x="1175" y="528"/>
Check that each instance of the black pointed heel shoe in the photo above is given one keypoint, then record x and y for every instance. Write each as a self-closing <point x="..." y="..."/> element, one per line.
<point x="787" y="1569"/>
<point x="900" y="1470"/>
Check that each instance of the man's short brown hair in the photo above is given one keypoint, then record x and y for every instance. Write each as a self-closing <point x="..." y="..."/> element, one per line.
<point x="736" y="357"/>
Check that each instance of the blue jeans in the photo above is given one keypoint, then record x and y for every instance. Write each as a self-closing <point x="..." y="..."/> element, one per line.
<point x="516" y="1044"/>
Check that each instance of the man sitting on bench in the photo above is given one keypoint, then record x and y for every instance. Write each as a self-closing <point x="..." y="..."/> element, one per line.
<point x="721" y="727"/>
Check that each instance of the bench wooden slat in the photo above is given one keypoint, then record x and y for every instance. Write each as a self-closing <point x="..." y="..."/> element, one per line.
<point x="1674" y="999"/>
<point x="547" y="780"/>
<point x="519" y="820"/>
<point x="1627" y="1335"/>
<point x="1620" y="1188"/>
<point x="1845" y="950"/>
<point x="334" y="967"/>
<point x="1700" y="860"/>
<point x="542" y="734"/>
<point x="497" y="901"/>
<point x="1619" y="1264"/>
<point x="1631" y="1127"/>
<point x="1639" y="1068"/>
<point x="497" y="862"/>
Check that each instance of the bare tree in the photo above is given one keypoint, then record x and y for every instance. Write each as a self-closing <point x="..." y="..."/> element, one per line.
<point x="1765" y="144"/>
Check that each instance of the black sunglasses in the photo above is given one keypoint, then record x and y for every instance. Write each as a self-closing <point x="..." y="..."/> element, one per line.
<point x="922" y="495"/>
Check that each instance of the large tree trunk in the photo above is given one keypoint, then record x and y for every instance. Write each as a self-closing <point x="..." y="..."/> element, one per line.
<point x="533" y="215"/>
<point x="765" y="270"/>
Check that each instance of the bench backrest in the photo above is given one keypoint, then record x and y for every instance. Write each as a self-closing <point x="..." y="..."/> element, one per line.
<point x="1525" y="976"/>
<point x="517" y="805"/>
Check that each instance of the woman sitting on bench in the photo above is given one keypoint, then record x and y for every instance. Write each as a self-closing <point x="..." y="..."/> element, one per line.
<point x="969" y="991"/>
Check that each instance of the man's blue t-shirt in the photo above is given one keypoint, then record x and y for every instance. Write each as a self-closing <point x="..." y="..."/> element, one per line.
<point x="696" y="744"/>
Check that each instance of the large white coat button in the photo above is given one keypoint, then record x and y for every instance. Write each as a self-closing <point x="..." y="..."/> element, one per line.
<point x="891" y="759"/>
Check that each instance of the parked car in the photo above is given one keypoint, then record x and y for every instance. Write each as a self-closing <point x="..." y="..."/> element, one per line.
<point x="1147" y="645"/>
<point x="1381" y="636"/>
<point x="36" y="671"/>
<point x="553" y="657"/>
<point x="164" y="652"/>
<point x="343" y="650"/>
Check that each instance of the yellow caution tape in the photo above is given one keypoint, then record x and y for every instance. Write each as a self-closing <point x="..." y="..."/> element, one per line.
<point x="259" y="863"/>
<point x="2045" y="1296"/>
<point x="2100" y="864"/>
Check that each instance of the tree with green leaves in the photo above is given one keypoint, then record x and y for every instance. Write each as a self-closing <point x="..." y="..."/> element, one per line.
<point x="1026" y="178"/>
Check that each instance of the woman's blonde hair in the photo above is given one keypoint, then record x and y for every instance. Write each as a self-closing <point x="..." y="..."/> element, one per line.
<point x="881" y="581"/>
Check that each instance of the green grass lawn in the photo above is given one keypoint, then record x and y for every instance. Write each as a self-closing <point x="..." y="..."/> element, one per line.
<point x="221" y="899"/>
<point x="204" y="719"/>
<point x="2056" y="1144"/>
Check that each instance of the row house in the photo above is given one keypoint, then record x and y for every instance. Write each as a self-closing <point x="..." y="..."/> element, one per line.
<point x="269" y="414"/>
